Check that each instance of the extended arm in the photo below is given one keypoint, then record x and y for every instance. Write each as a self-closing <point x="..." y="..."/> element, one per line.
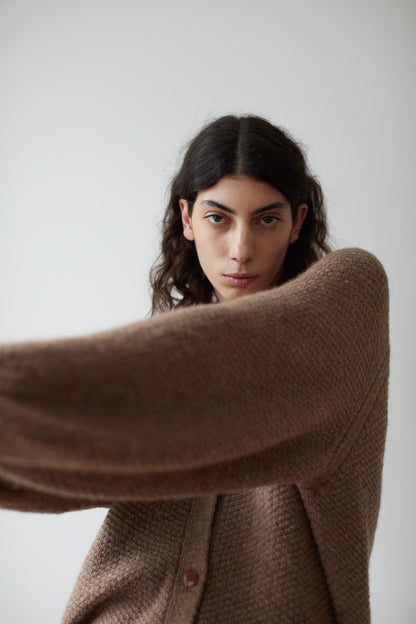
<point x="209" y="399"/>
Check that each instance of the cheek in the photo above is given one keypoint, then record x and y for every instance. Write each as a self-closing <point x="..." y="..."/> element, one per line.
<point x="210" y="245"/>
<point x="277" y="247"/>
<point x="208" y="252"/>
<point x="274" y="254"/>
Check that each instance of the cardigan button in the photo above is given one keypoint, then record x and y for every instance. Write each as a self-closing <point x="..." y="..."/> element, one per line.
<point x="190" y="578"/>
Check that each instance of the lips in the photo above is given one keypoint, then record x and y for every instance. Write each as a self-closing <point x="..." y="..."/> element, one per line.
<point x="240" y="279"/>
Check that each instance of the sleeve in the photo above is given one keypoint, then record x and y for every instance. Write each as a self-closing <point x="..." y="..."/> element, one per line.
<point x="18" y="498"/>
<point x="210" y="399"/>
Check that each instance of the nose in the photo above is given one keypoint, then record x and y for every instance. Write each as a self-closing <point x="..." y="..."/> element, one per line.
<point x="242" y="245"/>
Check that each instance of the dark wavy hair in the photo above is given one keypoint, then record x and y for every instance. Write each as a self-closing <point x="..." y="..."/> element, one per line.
<point x="235" y="146"/>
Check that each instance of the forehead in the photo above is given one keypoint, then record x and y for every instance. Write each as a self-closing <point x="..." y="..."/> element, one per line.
<point x="240" y="193"/>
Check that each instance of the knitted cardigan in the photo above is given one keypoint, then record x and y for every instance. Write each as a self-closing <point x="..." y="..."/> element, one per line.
<point x="239" y="447"/>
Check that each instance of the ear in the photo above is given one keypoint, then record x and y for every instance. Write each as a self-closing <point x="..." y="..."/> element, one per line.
<point x="186" y="220"/>
<point x="301" y="213"/>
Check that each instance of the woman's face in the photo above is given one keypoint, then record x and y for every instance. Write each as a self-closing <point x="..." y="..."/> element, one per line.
<point x="241" y="228"/>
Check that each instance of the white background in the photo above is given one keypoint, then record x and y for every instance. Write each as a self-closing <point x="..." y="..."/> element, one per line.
<point x="97" y="99"/>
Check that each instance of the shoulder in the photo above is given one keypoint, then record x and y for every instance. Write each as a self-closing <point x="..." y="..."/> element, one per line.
<point x="355" y="260"/>
<point x="349" y="274"/>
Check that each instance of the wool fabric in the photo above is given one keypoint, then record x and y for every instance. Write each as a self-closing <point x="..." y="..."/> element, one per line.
<point x="239" y="448"/>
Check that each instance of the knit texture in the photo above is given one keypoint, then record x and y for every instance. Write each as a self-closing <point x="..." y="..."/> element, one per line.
<point x="246" y="436"/>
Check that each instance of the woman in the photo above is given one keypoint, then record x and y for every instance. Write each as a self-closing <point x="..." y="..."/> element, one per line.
<point x="235" y="156"/>
<point x="239" y="445"/>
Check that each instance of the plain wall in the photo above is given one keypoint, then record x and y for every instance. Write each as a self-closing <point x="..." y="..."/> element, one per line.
<point x="97" y="100"/>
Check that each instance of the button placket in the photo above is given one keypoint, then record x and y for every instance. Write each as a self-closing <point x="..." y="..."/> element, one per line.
<point x="188" y="586"/>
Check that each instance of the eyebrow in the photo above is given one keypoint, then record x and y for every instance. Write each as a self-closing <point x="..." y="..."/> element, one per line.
<point x="211" y="202"/>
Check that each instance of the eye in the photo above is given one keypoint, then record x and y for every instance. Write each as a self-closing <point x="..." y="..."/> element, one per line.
<point x="215" y="218"/>
<point x="270" y="219"/>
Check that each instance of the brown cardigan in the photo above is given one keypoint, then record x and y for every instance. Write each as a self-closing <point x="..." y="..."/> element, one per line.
<point x="240" y="446"/>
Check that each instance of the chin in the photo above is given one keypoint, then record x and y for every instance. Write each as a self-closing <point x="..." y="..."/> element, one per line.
<point x="235" y="295"/>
